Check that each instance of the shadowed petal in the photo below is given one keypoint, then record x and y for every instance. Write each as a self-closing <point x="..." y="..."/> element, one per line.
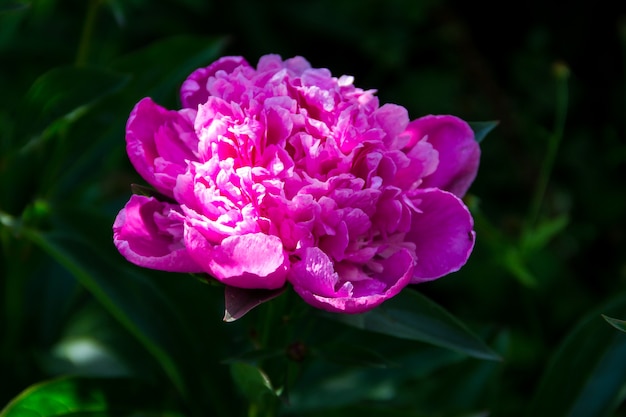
<point x="158" y="141"/>
<point x="443" y="234"/>
<point x="314" y="279"/>
<point x="459" y="153"/>
<point x="146" y="235"/>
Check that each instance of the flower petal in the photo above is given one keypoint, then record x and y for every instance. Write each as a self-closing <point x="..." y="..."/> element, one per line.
<point x="442" y="233"/>
<point x="254" y="260"/>
<point x="194" y="90"/>
<point x="158" y="141"/>
<point x="147" y="235"/>
<point x="459" y="153"/>
<point x="350" y="290"/>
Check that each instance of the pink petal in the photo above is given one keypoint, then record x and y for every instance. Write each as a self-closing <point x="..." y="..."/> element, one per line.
<point x="393" y="119"/>
<point x="442" y="233"/>
<point x="158" y="141"/>
<point x="254" y="260"/>
<point x="459" y="153"/>
<point x="194" y="90"/>
<point x="146" y="235"/>
<point x="423" y="160"/>
<point x="350" y="290"/>
<point x="314" y="274"/>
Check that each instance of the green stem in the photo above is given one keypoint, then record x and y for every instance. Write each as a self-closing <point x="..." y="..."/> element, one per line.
<point x="86" y="36"/>
<point x="562" y="73"/>
<point x="13" y="285"/>
<point x="266" y="319"/>
<point x="253" y="410"/>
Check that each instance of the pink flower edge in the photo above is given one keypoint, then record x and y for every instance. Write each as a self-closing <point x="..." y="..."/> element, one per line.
<point x="314" y="279"/>
<point x="144" y="234"/>
<point x="458" y="152"/>
<point x="443" y="234"/>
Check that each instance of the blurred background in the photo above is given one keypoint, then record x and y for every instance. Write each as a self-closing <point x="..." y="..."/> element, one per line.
<point x="549" y="201"/>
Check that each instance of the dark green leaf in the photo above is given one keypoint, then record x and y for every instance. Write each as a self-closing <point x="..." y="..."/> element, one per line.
<point x="540" y="235"/>
<point x="587" y="373"/>
<point x="618" y="324"/>
<point x="410" y="315"/>
<point x="357" y="355"/>
<point x="159" y="69"/>
<point x="138" y="305"/>
<point x="252" y="381"/>
<point x="73" y="396"/>
<point x="515" y="262"/>
<point x="13" y="6"/>
<point x="115" y="6"/>
<point x="254" y="356"/>
<point x="383" y="409"/>
<point x="90" y="342"/>
<point x="341" y="384"/>
<point x="117" y="291"/>
<point x="66" y="92"/>
<point x="481" y="129"/>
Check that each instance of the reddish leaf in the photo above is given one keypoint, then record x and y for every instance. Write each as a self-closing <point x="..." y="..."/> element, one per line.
<point x="238" y="301"/>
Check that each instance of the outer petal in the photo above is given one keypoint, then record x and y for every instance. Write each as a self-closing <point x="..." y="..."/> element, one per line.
<point x="194" y="92"/>
<point x="315" y="280"/>
<point x="459" y="153"/>
<point x="146" y="235"/>
<point x="442" y="233"/>
<point x="254" y="260"/>
<point x="157" y="142"/>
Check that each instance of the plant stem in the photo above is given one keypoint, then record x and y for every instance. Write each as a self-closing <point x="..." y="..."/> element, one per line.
<point x="562" y="73"/>
<point x="13" y="286"/>
<point x="86" y="36"/>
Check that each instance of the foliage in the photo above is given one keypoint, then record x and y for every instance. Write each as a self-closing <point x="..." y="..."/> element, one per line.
<point x="539" y="308"/>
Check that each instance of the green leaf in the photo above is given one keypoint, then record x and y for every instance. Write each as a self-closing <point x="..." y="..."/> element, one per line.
<point x="540" y="235"/>
<point x="90" y="342"/>
<point x="75" y="396"/>
<point x="587" y="374"/>
<point x="159" y="69"/>
<point x="357" y="355"/>
<point x="13" y="6"/>
<point x="252" y="382"/>
<point x="481" y="129"/>
<point x="341" y="384"/>
<point x="410" y="315"/>
<point x="618" y="324"/>
<point x="67" y="92"/>
<point x="513" y="260"/>
<point x="140" y="307"/>
<point x="115" y="289"/>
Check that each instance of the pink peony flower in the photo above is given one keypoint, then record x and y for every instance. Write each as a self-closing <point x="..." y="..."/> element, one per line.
<point x="285" y="174"/>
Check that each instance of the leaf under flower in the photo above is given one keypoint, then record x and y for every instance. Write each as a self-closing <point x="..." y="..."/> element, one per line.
<point x="239" y="301"/>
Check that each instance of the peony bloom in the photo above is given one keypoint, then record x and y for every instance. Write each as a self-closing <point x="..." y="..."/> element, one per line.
<point x="285" y="174"/>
